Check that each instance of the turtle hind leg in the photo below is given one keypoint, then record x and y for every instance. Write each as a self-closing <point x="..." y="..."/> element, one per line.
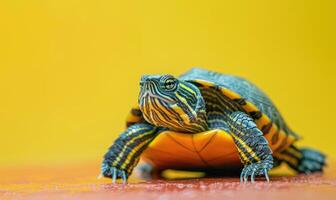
<point x="312" y="161"/>
<point x="304" y="160"/>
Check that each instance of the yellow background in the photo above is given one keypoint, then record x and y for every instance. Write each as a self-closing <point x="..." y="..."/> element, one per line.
<point x="69" y="70"/>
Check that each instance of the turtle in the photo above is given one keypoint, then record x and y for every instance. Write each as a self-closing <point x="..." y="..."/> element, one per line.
<point x="209" y="121"/>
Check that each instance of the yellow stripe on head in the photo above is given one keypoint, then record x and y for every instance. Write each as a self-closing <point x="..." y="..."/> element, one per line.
<point x="188" y="89"/>
<point x="181" y="113"/>
<point x="185" y="102"/>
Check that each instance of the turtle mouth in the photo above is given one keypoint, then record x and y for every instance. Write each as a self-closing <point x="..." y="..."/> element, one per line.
<point x="148" y="93"/>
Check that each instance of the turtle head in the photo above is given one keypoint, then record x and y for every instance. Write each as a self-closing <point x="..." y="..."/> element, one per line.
<point x="169" y="102"/>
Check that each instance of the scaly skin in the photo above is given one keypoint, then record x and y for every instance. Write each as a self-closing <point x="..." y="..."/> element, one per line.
<point x="125" y="152"/>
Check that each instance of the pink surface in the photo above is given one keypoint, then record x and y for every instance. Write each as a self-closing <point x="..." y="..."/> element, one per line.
<point x="79" y="182"/>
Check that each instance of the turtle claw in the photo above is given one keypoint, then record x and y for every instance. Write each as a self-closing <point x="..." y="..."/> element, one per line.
<point x="252" y="177"/>
<point x="114" y="173"/>
<point x="246" y="177"/>
<point x="124" y="177"/>
<point x="241" y="176"/>
<point x="253" y="170"/>
<point x="266" y="175"/>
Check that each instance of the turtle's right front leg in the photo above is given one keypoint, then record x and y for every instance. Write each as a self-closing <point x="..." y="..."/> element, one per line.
<point x="125" y="152"/>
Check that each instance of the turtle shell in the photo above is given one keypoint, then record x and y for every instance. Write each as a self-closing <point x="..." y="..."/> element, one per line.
<point x="216" y="148"/>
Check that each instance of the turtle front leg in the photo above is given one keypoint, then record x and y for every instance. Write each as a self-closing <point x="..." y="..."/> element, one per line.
<point x="125" y="152"/>
<point x="253" y="148"/>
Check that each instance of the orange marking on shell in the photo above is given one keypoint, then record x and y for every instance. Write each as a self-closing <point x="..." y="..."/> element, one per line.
<point x="264" y="120"/>
<point x="249" y="107"/>
<point x="230" y="94"/>
<point x="131" y="117"/>
<point x="280" y="139"/>
<point x="204" y="83"/>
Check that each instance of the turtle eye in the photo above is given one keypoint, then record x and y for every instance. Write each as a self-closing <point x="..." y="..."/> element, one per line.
<point x="170" y="84"/>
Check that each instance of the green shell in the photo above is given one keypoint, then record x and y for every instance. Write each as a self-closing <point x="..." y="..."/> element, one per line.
<point x="245" y="89"/>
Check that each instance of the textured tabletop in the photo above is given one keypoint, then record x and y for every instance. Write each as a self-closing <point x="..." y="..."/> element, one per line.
<point x="78" y="181"/>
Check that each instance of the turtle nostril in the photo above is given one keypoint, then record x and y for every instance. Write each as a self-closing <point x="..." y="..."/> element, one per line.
<point x="144" y="78"/>
<point x="145" y="82"/>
